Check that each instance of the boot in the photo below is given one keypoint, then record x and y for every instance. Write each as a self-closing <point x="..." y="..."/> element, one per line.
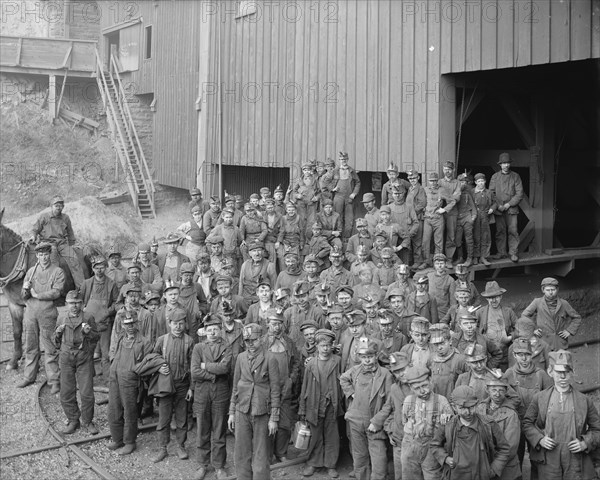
<point x="468" y="262"/>
<point x="55" y="389"/>
<point x="71" y="427"/>
<point x="308" y="471"/>
<point x="90" y="429"/>
<point x="25" y="383"/>
<point x="115" y="445"/>
<point x="475" y="260"/>
<point x="161" y="455"/>
<point x="485" y="261"/>
<point x="127" y="449"/>
<point x="182" y="453"/>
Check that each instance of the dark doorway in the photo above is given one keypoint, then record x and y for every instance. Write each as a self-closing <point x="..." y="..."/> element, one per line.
<point x="245" y="181"/>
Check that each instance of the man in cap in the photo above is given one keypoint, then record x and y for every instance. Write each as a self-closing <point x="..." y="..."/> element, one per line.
<point x="255" y="405"/>
<point x="75" y="336"/>
<point x="366" y="387"/>
<point x="467" y="213"/>
<point x="43" y="283"/>
<point x="331" y="223"/>
<point x="419" y="301"/>
<point x="131" y="295"/>
<point x="318" y="246"/>
<point x="336" y="275"/>
<point x="385" y="273"/>
<point x="482" y="238"/>
<point x="126" y="352"/>
<point x="391" y="340"/>
<point x="283" y="348"/>
<point x="279" y="196"/>
<point x="423" y="412"/>
<point x="450" y="185"/>
<point x="237" y="303"/>
<point x="362" y="238"/>
<point x="253" y="229"/>
<point x="176" y="348"/>
<point x="417" y="199"/>
<point x="364" y="286"/>
<point x="507" y="192"/>
<point x="440" y="283"/>
<point x="372" y="216"/>
<point x="301" y="311"/>
<point x="170" y="263"/>
<point x="308" y="349"/>
<point x="292" y="234"/>
<point x="99" y="295"/>
<point x="419" y="352"/>
<point x="350" y="344"/>
<point x="439" y="203"/>
<point x="467" y="338"/>
<point x="55" y="228"/>
<point x="292" y="273"/>
<point x="446" y="363"/>
<point x="306" y="193"/>
<point x="149" y="272"/>
<point x="273" y="221"/>
<point x="470" y="445"/>
<point x="320" y="404"/>
<point x="478" y="374"/>
<point x="194" y="233"/>
<point x="346" y="186"/>
<point x="230" y="235"/>
<point x="325" y="178"/>
<point x="197" y="201"/>
<point x="116" y="271"/>
<point x="525" y="328"/>
<point x="211" y="217"/>
<point x="405" y="217"/>
<point x="462" y="297"/>
<point x="191" y="295"/>
<point x="389" y="418"/>
<point x="210" y="371"/>
<point x="255" y="270"/>
<point x="403" y="281"/>
<point x="503" y="410"/>
<point x="403" y="316"/>
<point x="562" y="425"/>
<point x="556" y="320"/>
<point x="394" y="180"/>
<point x="496" y="321"/>
<point x="462" y="281"/>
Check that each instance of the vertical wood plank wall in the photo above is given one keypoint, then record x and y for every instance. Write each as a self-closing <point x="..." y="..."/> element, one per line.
<point x="303" y="80"/>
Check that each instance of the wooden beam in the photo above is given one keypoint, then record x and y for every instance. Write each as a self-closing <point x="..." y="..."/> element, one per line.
<point x="544" y="203"/>
<point x="62" y="91"/>
<point x="67" y="60"/>
<point x="526" y="236"/>
<point x="472" y="104"/>
<point x="19" y="47"/>
<point x="6" y="68"/>
<point x="52" y="97"/>
<point x="520" y="119"/>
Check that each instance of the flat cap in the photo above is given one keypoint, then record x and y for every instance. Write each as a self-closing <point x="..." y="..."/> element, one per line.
<point x="368" y="197"/>
<point x="355" y="318"/>
<point x="398" y="361"/>
<point x="130" y="317"/>
<point x="475" y="354"/>
<point x="367" y="347"/>
<point x="439" y="257"/>
<point x="416" y="374"/>
<point x="439" y="332"/>
<point x="308" y="324"/>
<point x="57" y="199"/>
<point x="186" y="268"/>
<point x="323" y="334"/>
<point x="549" y="281"/>
<point x="213" y="319"/>
<point x="252" y="331"/>
<point x="464" y="396"/>
<point x="132" y="287"/>
<point x="521" y="345"/>
<point x="504" y="158"/>
<point x="176" y="315"/>
<point x="385" y="209"/>
<point x="561" y="360"/>
<point x="195" y="191"/>
<point x="420" y="325"/>
<point x="74" y="296"/>
<point x="346" y="289"/>
<point x="43" y="246"/>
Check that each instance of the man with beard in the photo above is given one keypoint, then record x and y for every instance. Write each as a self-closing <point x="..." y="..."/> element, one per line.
<point x="306" y="194"/>
<point x="372" y="216"/>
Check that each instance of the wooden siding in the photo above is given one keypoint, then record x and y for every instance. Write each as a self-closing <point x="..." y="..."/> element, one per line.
<point x="302" y="80"/>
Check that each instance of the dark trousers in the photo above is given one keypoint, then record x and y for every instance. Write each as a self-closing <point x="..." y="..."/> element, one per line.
<point x="345" y="207"/>
<point x="177" y="403"/>
<point x="450" y="222"/>
<point x="211" y="405"/>
<point x="432" y="227"/>
<point x="77" y="371"/>
<point x="464" y="228"/>
<point x="104" y="345"/>
<point x="507" y="223"/>
<point x="416" y="243"/>
<point x="324" y="447"/>
<point x="252" y="447"/>
<point x="122" y="407"/>
<point x="482" y="239"/>
<point x="367" y="446"/>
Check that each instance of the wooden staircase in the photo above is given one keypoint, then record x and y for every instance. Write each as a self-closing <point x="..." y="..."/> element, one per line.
<point x="125" y="138"/>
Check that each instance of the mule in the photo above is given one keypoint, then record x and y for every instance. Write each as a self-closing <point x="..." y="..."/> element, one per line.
<point x="16" y="257"/>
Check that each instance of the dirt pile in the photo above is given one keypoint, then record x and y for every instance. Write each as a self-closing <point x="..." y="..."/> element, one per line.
<point x="94" y="224"/>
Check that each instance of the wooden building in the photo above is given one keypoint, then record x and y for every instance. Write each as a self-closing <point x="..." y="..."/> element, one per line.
<point x="243" y="92"/>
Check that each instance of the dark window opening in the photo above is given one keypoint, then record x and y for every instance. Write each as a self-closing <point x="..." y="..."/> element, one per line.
<point x="148" y="42"/>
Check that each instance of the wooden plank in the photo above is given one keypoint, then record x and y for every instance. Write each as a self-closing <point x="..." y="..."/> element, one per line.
<point x="520" y="119"/>
<point x="522" y="31"/>
<point x="490" y="12"/>
<point x="595" y="28"/>
<point x="52" y="96"/>
<point x="359" y="158"/>
<point x="473" y="19"/>
<point x="396" y="105"/>
<point x="457" y="15"/>
<point x="420" y="79"/>
<point x="372" y="89"/>
<point x="408" y="87"/>
<point x="313" y="107"/>
<point x="306" y="102"/>
<point x="258" y="103"/>
<point x="560" y="37"/>
<point x="432" y="91"/>
<point x="67" y="61"/>
<point x="581" y="29"/>
<point x="506" y="37"/>
<point x="299" y="65"/>
<point x="317" y="90"/>
<point x="383" y="117"/>
<point x="341" y="78"/>
<point x="540" y="33"/>
<point x="290" y="39"/>
<point x="330" y="91"/>
<point x="446" y="47"/>
<point x="351" y="70"/>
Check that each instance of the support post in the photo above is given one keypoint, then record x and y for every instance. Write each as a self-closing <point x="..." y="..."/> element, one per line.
<point x="448" y="127"/>
<point x="52" y="97"/>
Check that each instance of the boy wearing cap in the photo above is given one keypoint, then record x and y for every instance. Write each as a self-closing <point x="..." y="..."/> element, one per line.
<point x="320" y="404"/>
<point x="273" y="221"/>
<point x="405" y="217"/>
<point x="416" y="198"/>
<point x="253" y="230"/>
<point x="403" y="281"/>
<point x="482" y="238"/>
<point x="346" y="186"/>
<point x="197" y="201"/>
<point x="176" y="348"/>
<point x="76" y="336"/>
<point x="292" y="234"/>
<point x="43" y="283"/>
<point x="191" y="295"/>
<point x="133" y="278"/>
<point x="292" y="272"/>
<point x="419" y="301"/>
<point x="349" y="344"/>
<point x="372" y="216"/>
<point x="301" y="311"/>
<point x="466" y="215"/>
<point x="116" y="271"/>
<point x="210" y="371"/>
<point x="258" y="312"/>
<point x="423" y="412"/>
<point x="204" y="276"/>
<point x="361" y="261"/>
<point x="149" y="272"/>
<point x="193" y="232"/>
<point x="99" y="294"/>
<point x="225" y="289"/>
<point x="126" y="352"/>
<point x="336" y="275"/>
<point x="385" y="273"/>
<point x="279" y="196"/>
<point x="363" y="238"/>
<point x="364" y="287"/>
<point x="255" y="270"/>
<point x="462" y="281"/>
<point x="478" y="374"/>
<point x="470" y="445"/>
<point x="309" y="348"/>
<point x="391" y="229"/>
<point x="524" y="328"/>
<point x="131" y="303"/>
<point x="562" y="425"/>
<point x="462" y="298"/>
<point x="170" y="263"/>
<point x="496" y="321"/>
<point x="325" y="178"/>
<point x="148" y="322"/>
<point x="366" y="387"/>
<point x="211" y="217"/>
<point x="554" y="317"/>
<point x="331" y="223"/>
<point x="391" y="340"/>
<point x="387" y="189"/>
<point x="231" y="236"/>
<point x="468" y="337"/>
<point x="403" y="316"/>
<point x="172" y="303"/>
<point x="311" y="274"/>
<point x="507" y="192"/>
<point x="254" y="406"/>
<point x="439" y="204"/>
<point x="440" y="283"/>
<point x="335" y="318"/>
<point x="446" y="363"/>
<point x="344" y="297"/>
<point x="419" y="352"/>
<point x="318" y="246"/>
<point x="451" y="186"/>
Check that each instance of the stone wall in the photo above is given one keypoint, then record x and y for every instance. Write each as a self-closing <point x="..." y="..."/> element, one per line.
<point x="139" y="106"/>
